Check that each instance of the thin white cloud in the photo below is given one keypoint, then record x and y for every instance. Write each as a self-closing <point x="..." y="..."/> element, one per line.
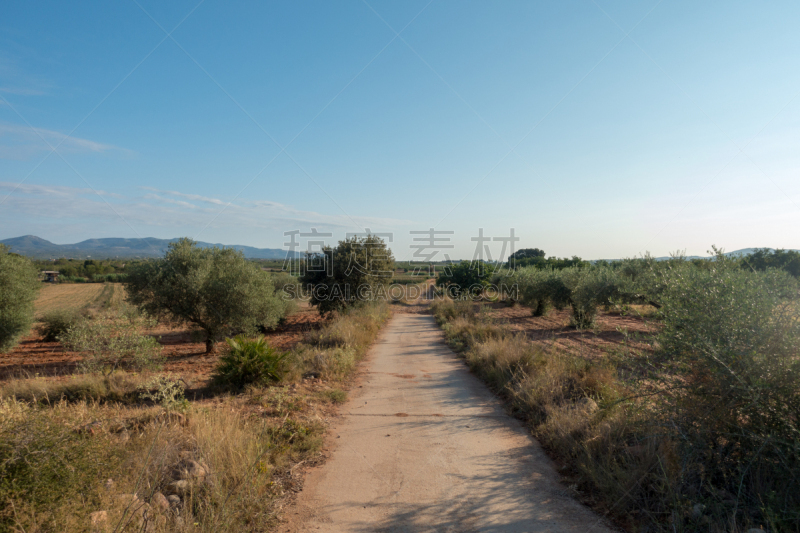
<point x="17" y="81"/>
<point x="54" y="190"/>
<point x="195" y="197"/>
<point x="20" y="142"/>
<point x="277" y="211"/>
<point x="22" y="91"/>
<point x="160" y="209"/>
<point x="169" y="201"/>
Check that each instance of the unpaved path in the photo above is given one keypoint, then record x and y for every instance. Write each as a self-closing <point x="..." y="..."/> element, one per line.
<point x="425" y="447"/>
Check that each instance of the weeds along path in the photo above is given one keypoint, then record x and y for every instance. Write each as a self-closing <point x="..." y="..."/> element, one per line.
<point x="424" y="446"/>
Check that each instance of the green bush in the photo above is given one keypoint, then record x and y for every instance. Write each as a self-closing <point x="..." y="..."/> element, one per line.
<point x="44" y="462"/>
<point x="765" y="258"/>
<point x="542" y="289"/>
<point x="110" y="342"/>
<point x="18" y="288"/>
<point x="583" y="289"/>
<point x="592" y="288"/>
<point x="110" y="278"/>
<point x="466" y="278"/>
<point x="732" y="337"/>
<point x="249" y="361"/>
<point x="72" y="279"/>
<point x="285" y="288"/>
<point x="555" y="263"/>
<point x="56" y="323"/>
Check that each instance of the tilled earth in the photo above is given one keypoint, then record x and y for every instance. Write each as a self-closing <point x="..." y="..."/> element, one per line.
<point x="611" y="331"/>
<point x="185" y="356"/>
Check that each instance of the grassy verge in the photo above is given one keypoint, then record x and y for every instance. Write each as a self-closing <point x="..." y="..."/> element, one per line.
<point x="615" y="442"/>
<point x="129" y="453"/>
<point x="333" y="351"/>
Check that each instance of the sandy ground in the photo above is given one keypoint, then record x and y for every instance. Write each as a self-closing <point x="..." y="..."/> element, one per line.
<point x="610" y="332"/>
<point x="424" y="446"/>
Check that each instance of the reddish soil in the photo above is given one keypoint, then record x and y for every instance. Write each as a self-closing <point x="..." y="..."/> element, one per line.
<point x="554" y="330"/>
<point x="184" y="357"/>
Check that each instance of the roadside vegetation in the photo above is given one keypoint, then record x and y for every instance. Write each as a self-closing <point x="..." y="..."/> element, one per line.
<point x="122" y="445"/>
<point x="18" y="289"/>
<point x="698" y="432"/>
<point x="356" y="270"/>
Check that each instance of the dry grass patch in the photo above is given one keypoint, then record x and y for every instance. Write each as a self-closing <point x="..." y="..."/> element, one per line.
<point x="210" y="468"/>
<point x="333" y="351"/>
<point x="120" y="387"/>
<point x="127" y="452"/>
<point x="67" y="296"/>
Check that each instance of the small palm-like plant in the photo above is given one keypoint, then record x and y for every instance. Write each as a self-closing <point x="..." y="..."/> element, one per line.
<point x="250" y="361"/>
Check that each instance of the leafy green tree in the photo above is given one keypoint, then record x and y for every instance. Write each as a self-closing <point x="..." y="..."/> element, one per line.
<point x="526" y="253"/>
<point x="216" y="289"/>
<point x="541" y="289"/>
<point x="359" y="269"/>
<point x="590" y="288"/>
<point x="539" y="261"/>
<point x="764" y="258"/>
<point x="18" y="288"/>
<point x="466" y="277"/>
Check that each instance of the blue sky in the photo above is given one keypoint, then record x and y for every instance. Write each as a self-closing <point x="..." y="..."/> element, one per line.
<point x="596" y="128"/>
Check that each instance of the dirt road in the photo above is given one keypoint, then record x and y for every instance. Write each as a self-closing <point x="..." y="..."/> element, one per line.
<point x="424" y="446"/>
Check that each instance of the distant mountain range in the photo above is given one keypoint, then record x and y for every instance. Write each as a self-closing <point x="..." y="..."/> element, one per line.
<point x="736" y="253"/>
<point x="38" y="248"/>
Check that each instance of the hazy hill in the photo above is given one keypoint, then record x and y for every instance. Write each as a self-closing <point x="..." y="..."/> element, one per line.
<point x="735" y="253"/>
<point x="36" y="247"/>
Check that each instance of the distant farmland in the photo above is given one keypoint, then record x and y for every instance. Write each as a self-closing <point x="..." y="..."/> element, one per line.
<point x="74" y="296"/>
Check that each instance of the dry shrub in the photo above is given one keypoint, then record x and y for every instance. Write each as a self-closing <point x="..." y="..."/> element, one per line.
<point x="446" y="310"/>
<point x="465" y="332"/>
<point x="120" y="386"/>
<point x="55" y="462"/>
<point x="577" y="410"/>
<point x="355" y="328"/>
<point x="501" y="359"/>
<point x="328" y="363"/>
<point x="334" y="350"/>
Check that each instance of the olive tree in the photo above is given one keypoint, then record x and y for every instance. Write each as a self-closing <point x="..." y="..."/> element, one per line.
<point x="357" y="270"/>
<point x="732" y="340"/>
<point x="215" y="289"/>
<point x="18" y="288"/>
<point x="462" y="279"/>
